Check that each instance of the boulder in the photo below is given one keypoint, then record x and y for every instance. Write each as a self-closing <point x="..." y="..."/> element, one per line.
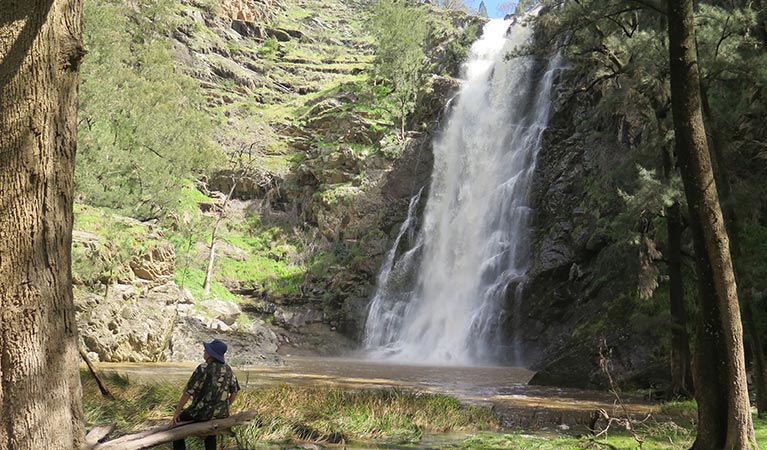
<point x="128" y="324"/>
<point x="344" y="126"/>
<point x="250" y="186"/>
<point x="296" y="317"/>
<point x="158" y="264"/>
<point x="226" y="312"/>
<point x="248" y="29"/>
<point x="254" y="345"/>
<point x="279" y="34"/>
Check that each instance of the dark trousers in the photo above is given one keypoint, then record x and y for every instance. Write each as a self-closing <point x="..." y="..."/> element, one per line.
<point x="210" y="441"/>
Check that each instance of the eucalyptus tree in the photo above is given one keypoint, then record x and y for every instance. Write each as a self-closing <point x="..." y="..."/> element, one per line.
<point x="733" y="73"/>
<point x="40" y="53"/>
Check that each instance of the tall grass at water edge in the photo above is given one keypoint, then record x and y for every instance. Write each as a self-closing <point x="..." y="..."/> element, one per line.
<point x="386" y="418"/>
<point x="293" y="413"/>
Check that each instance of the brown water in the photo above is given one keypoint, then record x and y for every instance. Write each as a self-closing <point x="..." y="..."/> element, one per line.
<point x="506" y="388"/>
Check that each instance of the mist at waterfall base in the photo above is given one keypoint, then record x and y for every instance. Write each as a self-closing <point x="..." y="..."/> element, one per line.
<point x="448" y="291"/>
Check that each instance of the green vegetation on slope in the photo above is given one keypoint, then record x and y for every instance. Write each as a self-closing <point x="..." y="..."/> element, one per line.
<point x="171" y="90"/>
<point x="400" y="30"/>
<point x="143" y="129"/>
<point x="104" y="244"/>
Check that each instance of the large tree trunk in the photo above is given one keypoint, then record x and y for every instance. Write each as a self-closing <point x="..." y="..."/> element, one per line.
<point x="723" y="407"/>
<point x="40" y="53"/>
<point x="759" y="363"/>
<point x="681" y="374"/>
<point x="718" y="147"/>
<point x="681" y="359"/>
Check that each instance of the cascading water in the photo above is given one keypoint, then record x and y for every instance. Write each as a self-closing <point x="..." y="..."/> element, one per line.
<point x="444" y="301"/>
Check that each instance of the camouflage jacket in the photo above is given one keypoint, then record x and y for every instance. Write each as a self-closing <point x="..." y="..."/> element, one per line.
<point x="210" y="386"/>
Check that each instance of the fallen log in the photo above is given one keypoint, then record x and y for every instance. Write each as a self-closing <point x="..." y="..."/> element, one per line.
<point x="98" y="433"/>
<point x="161" y="435"/>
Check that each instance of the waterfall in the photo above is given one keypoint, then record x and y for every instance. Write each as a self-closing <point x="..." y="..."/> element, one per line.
<point x="451" y="297"/>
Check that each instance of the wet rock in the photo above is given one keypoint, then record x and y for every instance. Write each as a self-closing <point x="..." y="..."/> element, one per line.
<point x="431" y="106"/>
<point x="353" y="315"/>
<point x="581" y="287"/>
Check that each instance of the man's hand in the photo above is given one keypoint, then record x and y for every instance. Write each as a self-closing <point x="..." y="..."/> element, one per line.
<point x="174" y="421"/>
<point x="179" y="407"/>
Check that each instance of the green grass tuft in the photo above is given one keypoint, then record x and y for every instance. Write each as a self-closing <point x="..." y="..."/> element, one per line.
<point x="289" y="413"/>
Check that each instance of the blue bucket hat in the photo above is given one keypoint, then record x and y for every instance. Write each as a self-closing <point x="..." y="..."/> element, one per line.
<point x="215" y="349"/>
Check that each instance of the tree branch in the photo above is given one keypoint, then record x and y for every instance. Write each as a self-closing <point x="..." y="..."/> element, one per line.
<point x="654" y="5"/>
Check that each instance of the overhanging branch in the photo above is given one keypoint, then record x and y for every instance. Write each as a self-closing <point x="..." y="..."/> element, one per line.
<point x="655" y="5"/>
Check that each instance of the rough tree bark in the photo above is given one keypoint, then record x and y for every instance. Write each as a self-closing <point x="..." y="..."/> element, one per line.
<point x="718" y="147"/>
<point x="724" y="415"/>
<point x="40" y="395"/>
<point x="681" y="373"/>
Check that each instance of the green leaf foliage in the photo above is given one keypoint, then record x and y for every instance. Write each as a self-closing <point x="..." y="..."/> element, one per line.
<point x="400" y="30"/>
<point x="142" y="128"/>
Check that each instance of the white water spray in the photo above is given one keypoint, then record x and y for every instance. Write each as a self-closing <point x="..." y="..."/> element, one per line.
<point x="446" y="300"/>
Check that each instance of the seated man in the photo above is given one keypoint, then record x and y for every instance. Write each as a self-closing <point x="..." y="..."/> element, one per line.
<point x="212" y="388"/>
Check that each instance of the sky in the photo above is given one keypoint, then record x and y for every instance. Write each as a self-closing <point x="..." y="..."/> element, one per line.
<point x="492" y="6"/>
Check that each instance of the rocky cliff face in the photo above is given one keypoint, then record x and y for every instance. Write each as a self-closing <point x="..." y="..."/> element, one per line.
<point x="291" y="84"/>
<point x="141" y="315"/>
<point x="337" y="176"/>
<point x="582" y="288"/>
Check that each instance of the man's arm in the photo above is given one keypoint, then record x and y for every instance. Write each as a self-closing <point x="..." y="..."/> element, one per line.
<point x="232" y="396"/>
<point x="192" y="389"/>
<point x="179" y="407"/>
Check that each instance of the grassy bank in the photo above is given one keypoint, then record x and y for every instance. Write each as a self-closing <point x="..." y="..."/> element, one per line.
<point x="293" y="413"/>
<point x="672" y="427"/>
<point x="378" y="419"/>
